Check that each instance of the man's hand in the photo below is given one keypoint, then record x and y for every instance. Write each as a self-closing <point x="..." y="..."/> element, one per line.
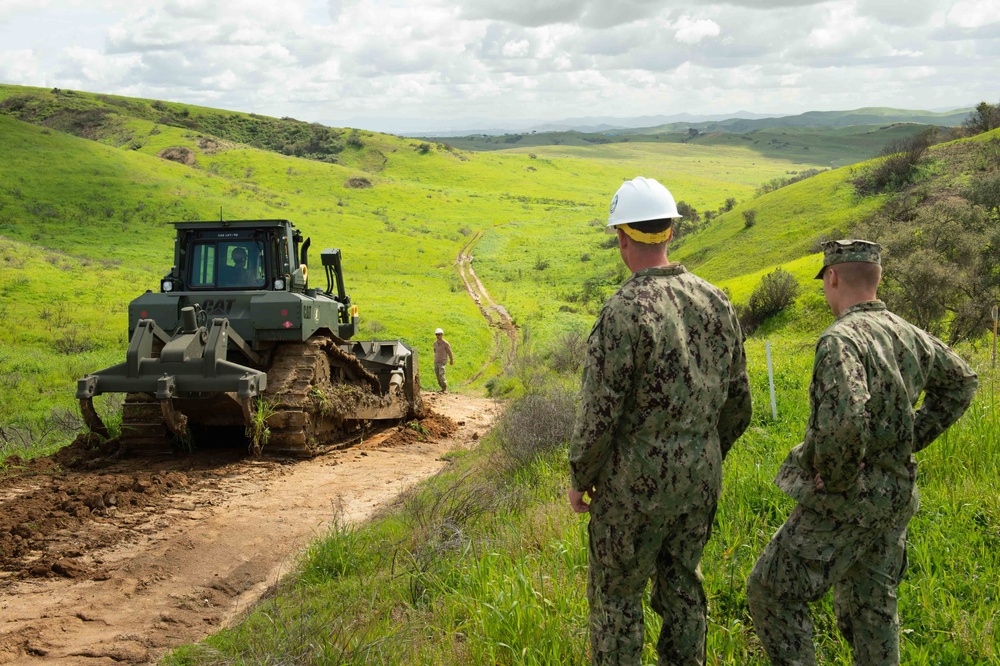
<point x="820" y="486"/>
<point x="452" y="362"/>
<point x="576" y="499"/>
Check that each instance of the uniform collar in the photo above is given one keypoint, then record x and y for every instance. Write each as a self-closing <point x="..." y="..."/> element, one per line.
<point x="673" y="268"/>
<point x="866" y="306"/>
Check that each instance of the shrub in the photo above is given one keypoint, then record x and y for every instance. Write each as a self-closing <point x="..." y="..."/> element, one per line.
<point x="535" y="425"/>
<point x="357" y="183"/>
<point x="895" y="165"/>
<point x="749" y="218"/>
<point x="776" y="291"/>
<point x="568" y="351"/>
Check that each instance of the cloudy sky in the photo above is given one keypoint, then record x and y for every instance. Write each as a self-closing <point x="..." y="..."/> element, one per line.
<point x="400" y="65"/>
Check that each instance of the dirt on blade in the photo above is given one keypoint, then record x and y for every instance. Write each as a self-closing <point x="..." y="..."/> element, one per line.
<point x="110" y="560"/>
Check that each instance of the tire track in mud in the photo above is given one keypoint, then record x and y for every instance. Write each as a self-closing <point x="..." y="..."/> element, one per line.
<point x="505" y="331"/>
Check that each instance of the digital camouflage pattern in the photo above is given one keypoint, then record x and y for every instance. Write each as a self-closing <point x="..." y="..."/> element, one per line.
<point x="871" y="367"/>
<point x="844" y="251"/>
<point x="665" y="394"/>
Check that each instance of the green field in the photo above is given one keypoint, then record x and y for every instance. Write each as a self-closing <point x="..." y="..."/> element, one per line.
<point x="495" y="574"/>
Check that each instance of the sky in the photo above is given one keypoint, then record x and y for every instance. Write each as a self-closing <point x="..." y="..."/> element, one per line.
<point x="407" y="65"/>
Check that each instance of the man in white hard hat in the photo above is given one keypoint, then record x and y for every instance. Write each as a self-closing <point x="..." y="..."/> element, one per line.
<point x="665" y="394"/>
<point x="442" y="354"/>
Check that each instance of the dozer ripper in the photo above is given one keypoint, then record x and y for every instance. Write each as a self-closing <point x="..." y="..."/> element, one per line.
<point x="236" y="338"/>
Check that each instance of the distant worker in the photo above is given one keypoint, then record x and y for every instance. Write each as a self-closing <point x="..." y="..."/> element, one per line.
<point x="665" y="395"/>
<point x="442" y="353"/>
<point x="854" y="476"/>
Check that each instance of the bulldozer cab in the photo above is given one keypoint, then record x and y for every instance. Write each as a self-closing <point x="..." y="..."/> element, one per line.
<point x="229" y="259"/>
<point x="227" y="265"/>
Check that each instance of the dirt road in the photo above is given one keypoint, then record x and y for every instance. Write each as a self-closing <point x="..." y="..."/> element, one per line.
<point x="106" y="561"/>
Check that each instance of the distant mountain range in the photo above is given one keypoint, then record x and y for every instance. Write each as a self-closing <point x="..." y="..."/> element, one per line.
<point x="741" y="121"/>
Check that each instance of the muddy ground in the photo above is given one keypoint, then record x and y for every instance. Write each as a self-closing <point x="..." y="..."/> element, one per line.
<point x="106" y="559"/>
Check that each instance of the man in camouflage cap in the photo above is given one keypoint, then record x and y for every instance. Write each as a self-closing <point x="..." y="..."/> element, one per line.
<point x="854" y="476"/>
<point x="665" y="394"/>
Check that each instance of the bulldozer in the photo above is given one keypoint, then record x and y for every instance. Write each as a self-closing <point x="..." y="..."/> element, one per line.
<point x="236" y="338"/>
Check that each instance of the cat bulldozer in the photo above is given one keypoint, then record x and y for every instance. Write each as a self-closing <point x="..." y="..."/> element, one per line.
<point x="236" y="338"/>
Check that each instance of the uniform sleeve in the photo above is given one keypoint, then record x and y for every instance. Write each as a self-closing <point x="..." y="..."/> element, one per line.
<point x="737" y="410"/>
<point x="607" y="379"/>
<point x="840" y="426"/>
<point x="950" y="388"/>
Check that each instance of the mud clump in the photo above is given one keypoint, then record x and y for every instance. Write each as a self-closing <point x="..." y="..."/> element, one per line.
<point x="433" y="426"/>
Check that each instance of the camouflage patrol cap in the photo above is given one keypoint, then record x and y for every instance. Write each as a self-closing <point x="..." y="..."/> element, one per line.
<point x="843" y="251"/>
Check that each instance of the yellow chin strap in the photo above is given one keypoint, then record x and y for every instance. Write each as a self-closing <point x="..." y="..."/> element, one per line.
<point x="648" y="239"/>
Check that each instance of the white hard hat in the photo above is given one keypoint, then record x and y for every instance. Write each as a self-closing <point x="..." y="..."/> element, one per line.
<point x="439" y="331"/>
<point x="640" y="200"/>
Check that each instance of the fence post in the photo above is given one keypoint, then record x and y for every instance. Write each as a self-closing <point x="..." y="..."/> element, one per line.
<point x="770" y="381"/>
<point x="995" y="308"/>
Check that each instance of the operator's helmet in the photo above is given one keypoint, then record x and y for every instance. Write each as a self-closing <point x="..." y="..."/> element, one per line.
<point x="239" y="254"/>
<point x="439" y="332"/>
<point x="641" y="200"/>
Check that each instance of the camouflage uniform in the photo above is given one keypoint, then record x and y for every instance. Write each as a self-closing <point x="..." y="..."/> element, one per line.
<point x="870" y="368"/>
<point x="665" y="395"/>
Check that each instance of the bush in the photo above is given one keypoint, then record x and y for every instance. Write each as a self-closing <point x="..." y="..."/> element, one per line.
<point x="568" y="351"/>
<point x="535" y="425"/>
<point x="776" y="291"/>
<point x="749" y="218"/>
<point x="895" y="166"/>
<point x="357" y="183"/>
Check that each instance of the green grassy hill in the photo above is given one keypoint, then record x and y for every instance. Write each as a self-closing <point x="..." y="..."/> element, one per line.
<point x="805" y="145"/>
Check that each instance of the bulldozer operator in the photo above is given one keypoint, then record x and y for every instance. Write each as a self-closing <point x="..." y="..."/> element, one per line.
<point x="236" y="271"/>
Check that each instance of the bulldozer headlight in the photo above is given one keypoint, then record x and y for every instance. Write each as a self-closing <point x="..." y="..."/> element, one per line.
<point x="167" y="286"/>
<point x="279" y="285"/>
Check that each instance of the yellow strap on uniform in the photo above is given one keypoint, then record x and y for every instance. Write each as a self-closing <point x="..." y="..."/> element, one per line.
<point x="647" y="238"/>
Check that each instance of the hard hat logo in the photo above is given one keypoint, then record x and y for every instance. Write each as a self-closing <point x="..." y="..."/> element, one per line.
<point x="641" y="200"/>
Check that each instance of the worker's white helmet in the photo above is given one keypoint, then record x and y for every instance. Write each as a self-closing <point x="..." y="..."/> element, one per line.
<point x="640" y="200"/>
<point x="439" y="332"/>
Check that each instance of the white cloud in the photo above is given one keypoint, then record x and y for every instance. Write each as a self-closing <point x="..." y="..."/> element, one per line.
<point x="974" y="13"/>
<point x="20" y="67"/>
<point x="516" y="49"/>
<point x="336" y="59"/>
<point x="692" y="31"/>
<point x="11" y="8"/>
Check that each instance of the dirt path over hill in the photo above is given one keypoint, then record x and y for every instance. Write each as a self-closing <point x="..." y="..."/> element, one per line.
<point x="115" y="561"/>
<point x="495" y="314"/>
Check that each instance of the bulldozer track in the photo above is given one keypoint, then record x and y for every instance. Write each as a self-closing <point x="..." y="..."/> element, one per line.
<point x="304" y="382"/>
<point x="313" y="388"/>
